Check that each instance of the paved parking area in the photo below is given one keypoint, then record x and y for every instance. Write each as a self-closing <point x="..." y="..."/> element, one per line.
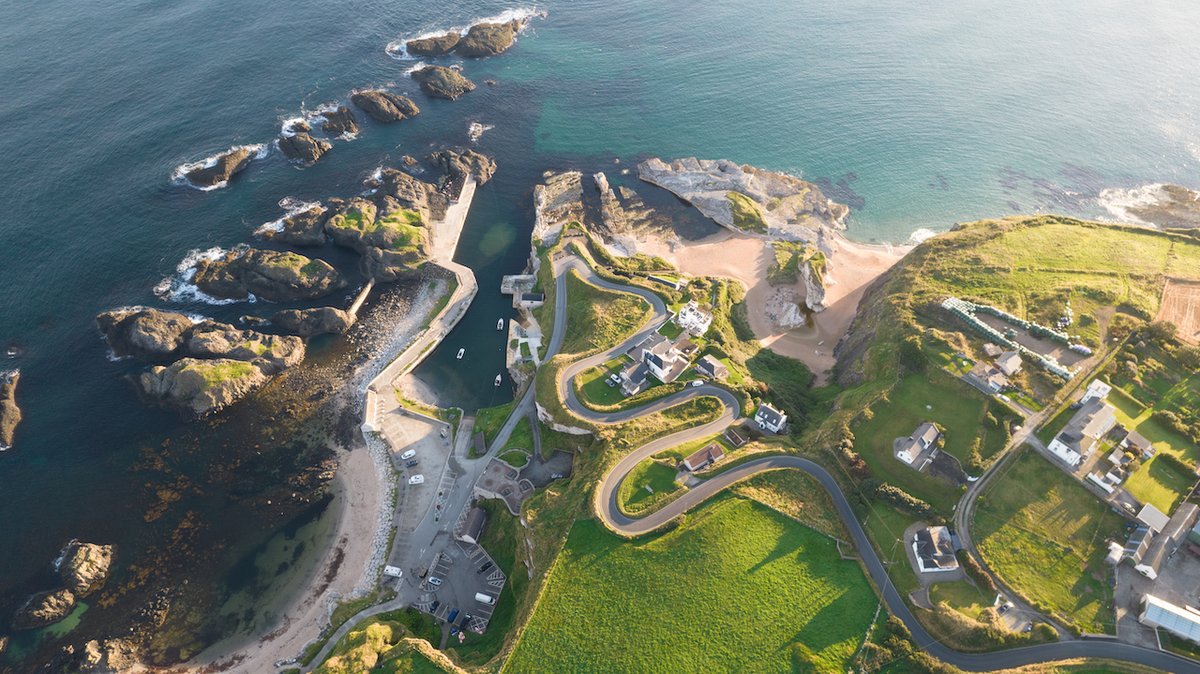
<point x="464" y="569"/>
<point x="403" y="432"/>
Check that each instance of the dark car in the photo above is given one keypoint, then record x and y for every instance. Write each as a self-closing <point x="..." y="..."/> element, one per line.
<point x="485" y="567"/>
<point x="412" y="463"/>
<point x="434" y="606"/>
<point x="453" y="614"/>
<point x="462" y="624"/>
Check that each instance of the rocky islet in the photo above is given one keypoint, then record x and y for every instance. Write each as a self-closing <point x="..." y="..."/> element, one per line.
<point x="10" y="413"/>
<point x="384" y="106"/>
<point x="442" y="82"/>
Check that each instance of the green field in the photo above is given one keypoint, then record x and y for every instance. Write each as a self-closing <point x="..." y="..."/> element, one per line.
<point x="1045" y="535"/>
<point x="955" y="406"/>
<point x="737" y="587"/>
<point x="1159" y="480"/>
<point x="961" y="596"/>
<point x="650" y="484"/>
<point x="598" y="318"/>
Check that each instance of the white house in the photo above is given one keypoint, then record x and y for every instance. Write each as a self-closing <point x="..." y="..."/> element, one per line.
<point x="1096" y="390"/>
<point x="693" y="319"/>
<point x="770" y="419"/>
<point x="1083" y="432"/>
<point x="665" y="362"/>
<point x="908" y="449"/>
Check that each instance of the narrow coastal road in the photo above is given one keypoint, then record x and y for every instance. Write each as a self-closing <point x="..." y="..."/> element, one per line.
<point x="608" y="509"/>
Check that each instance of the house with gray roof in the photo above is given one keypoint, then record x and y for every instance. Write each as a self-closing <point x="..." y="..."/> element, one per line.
<point x="1083" y="432"/>
<point x="770" y="419"/>
<point x="934" y="550"/>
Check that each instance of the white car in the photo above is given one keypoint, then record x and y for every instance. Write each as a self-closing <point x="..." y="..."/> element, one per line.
<point x="408" y="455"/>
<point x="698" y="382"/>
<point x="417" y="479"/>
<point x="434" y="581"/>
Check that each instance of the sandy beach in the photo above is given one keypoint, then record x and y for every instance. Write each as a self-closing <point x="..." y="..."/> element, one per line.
<point x="851" y="269"/>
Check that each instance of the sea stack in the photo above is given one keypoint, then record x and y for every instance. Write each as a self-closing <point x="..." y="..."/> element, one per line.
<point x="10" y="414"/>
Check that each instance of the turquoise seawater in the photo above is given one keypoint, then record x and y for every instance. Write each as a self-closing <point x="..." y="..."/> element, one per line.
<point x="918" y="115"/>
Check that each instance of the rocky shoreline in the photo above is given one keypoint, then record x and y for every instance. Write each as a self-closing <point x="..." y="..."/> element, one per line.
<point x="10" y="413"/>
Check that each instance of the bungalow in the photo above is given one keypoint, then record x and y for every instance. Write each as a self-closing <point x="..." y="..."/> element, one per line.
<point x="934" y="550"/>
<point x="1009" y="363"/>
<point x="1138" y="442"/>
<point x="910" y="448"/>
<point x="770" y="419"/>
<point x="633" y="378"/>
<point x="711" y="367"/>
<point x="1183" y="622"/>
<point x="1082" y="433"/>
<point x="989" y="376"/>
<point x="705" y="457"/>
<point x="693" y="319"/>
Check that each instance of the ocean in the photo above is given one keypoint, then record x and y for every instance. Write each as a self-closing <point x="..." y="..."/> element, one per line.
<point x="918" y="116"/>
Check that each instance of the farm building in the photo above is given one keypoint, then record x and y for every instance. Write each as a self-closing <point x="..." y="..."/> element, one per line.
<point x="1009" y="363"/>
<point x="1181" y="621"/>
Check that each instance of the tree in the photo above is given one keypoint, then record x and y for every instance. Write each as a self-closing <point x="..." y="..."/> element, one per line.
<point x="1162" y="331"/>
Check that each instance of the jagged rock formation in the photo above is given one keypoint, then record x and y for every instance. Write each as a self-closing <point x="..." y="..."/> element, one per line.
<point x="393" y="240"/>
<point x="339" y="122"/>
<point x="201" y="387"/>
<point x="458" y="163"/>
<point x="488" y="39"/>
<point x="222" y="168"/>
<point x="442" y="82"/>
<point x="302" y="148"/>
<point x="557" y="201"/>
<point x="218" y="363"/>
<point x="306" y="228"/>
<point x="307" y="323"/>
<point x="748" y="199"/>
<point x="812" y="271"/>
<point x="10" y="413"/>
<point x="44" y="608"/>
<point x="85" y="566"/>
<point x="111" y="656"/>
<point x="437" y="45"/>
<point x="385" y="106"/>
<point x="611" y="212"/>
<point x="271" y="275"/>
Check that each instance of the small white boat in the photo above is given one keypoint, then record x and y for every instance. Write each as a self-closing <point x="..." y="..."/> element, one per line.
<point x="497" y="380"/>
<point x="500" y="324"/>
<point x="461" y="352"/>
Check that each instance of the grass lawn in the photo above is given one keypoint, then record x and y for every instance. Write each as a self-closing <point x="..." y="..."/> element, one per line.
<point x="797" y="495"/>
<point x="1052" y="428"/>
<point x="1045" y="535"/>
<point x="634" y="497"/>
<point x="522" y="436"/>
<point x="678" y="452"/>
<point x="1158" y="481"/>
<point x="670" y="330"/>
<point x="515" y="458"/>
<point x="886" y="527"/>
<point x="736" y="587"/>
<point x="593" y="385"/>
<point x="962" y="597"/>
<point x="489" y="420"/>
<point x="959" y="409"/>
<point x="598" y="318"/>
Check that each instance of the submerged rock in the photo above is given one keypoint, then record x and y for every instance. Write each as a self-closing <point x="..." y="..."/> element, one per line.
<point x="306" y="228"/>
<point x="301" y="147"/>
<point x="748" y="199"/>
<point x="339" y="122"/>
<point x="112" y="655"/>
<point x="306" y="323"/>
<point x="488" y="39"/>
<point x="10" y="414"/>
<point x="223" y="167"/>
<point x="201" y="387"/>
<point x="1167" y="206"/>
<point x="436" y="45"/>
<point x="272" y="275"/>
<point x="144" y="333"/>
<point x="385" y="106"/>
<point x="85" y="566"/>
<point x="44" y="608"/>
<point x="442" y="82"/>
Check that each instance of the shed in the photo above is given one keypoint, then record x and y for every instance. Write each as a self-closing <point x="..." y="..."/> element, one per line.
<point x="472" y="527"/>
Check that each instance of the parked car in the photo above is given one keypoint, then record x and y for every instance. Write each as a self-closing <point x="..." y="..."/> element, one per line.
<point x="485" y="598"/>
<point x="434" y="581"/>
<point x="453" y="614"/>
<point x="411" y="463"/>
<point x="1004" y="607"/>
<point x="434" y="606"/>
<point x="462" y="623"/>
<point x="698" y="382"/>
<point x="417" y="479"/>
<point x="614" y="378"/>
<point x="486" y="565"/>
<point x="408" y="455"/>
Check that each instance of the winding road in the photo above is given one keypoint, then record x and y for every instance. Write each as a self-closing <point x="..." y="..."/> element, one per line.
<point x="609" y="511"/>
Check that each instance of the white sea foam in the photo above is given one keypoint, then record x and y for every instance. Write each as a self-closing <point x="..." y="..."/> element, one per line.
<point x="291" y="206"/>
<point x="1119" y="202"/>
<point x="179" y="175"/>
<point x="398" y="49"/>
<point x="290" y="126"/>
<point x="476" y="129"/>
<point x="179" y="287"/>
<point x="921" y="234"/>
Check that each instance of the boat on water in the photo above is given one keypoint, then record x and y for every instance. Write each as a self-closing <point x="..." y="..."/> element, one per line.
<point x="500" y="324"/>
<point x="497" y="380"/>
<point x="461" y="352"/>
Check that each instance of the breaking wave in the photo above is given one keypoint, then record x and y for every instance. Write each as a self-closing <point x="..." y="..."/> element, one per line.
<point x="1121" y="202"/>
<point x="179" y="287"/>
<point x="291" y="206"/>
